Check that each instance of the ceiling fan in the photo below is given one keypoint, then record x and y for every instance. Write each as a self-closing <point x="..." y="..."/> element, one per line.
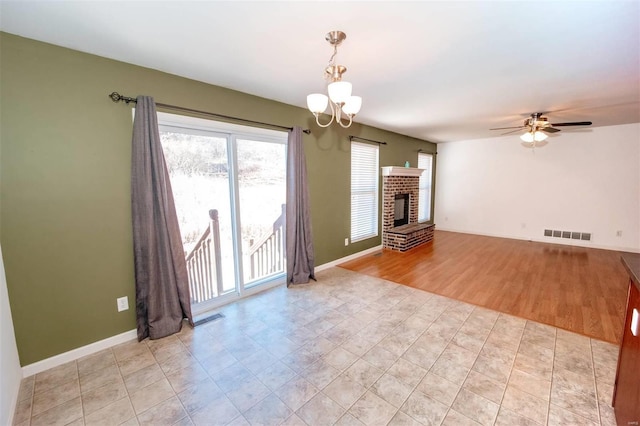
<point x="537" y="128"/>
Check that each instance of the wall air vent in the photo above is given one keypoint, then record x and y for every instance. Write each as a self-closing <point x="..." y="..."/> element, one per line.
<point x="584" y="236"/>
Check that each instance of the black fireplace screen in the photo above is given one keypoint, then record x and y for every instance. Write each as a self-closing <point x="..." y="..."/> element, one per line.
<point x="401" y="210"/>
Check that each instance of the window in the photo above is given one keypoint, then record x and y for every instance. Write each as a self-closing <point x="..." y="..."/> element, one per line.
<point x="425" y="161"/>
<point x="364" y="191"/>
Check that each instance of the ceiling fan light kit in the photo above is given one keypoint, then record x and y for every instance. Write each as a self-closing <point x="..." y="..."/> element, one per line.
<point x="537" y="128"/>
<point x="340" y="99"/>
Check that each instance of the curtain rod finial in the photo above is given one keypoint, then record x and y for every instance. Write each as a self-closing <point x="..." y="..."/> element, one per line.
<point x="115" y="96"/>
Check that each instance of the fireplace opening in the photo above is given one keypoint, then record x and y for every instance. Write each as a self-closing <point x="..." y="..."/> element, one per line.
<point x="401" y="210"/>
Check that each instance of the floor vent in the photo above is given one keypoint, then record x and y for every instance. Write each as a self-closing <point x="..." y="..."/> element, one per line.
<point x="208" y="319"/>
<point x="584" y="236"/>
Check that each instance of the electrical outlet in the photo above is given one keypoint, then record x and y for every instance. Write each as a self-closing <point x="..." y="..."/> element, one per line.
<point x="346" y="242"/>
<point x="618" y="233"/>
<point x="123" y="303"/>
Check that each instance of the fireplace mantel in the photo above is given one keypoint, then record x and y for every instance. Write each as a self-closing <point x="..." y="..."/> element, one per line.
<point x="401" y="171"/>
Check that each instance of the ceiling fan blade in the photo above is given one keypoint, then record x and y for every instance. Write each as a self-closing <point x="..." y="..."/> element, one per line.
<point x="550" y="130"/>
<point x="505" y="128"/>
<point x="575" y="123"/>
<point x="512" y="131"/>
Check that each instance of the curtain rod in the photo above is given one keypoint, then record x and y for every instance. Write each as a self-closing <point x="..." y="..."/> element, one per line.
<point x="351" y="138"/>
<point x="117" y="97"/>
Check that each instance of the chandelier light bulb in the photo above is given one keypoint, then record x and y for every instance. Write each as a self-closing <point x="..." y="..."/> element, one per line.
<point x="317" y="103"/>
<point x="339" y="91"/>
<point x="352" y="106"/>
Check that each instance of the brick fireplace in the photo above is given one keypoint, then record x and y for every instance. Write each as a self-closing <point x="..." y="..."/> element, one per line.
<point x="397" y="183"/>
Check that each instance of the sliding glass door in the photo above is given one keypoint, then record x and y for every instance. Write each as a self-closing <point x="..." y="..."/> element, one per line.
<point x="229" y="189"/>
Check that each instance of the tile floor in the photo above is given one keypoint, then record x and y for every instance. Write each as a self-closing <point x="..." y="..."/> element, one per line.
<point x="347" y="350"/>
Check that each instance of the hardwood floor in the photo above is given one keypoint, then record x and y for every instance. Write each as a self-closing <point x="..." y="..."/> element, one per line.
<point x="578" y="289"/>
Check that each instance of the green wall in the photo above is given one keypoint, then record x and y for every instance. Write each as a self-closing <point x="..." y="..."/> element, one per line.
<point x="65" y="195"/>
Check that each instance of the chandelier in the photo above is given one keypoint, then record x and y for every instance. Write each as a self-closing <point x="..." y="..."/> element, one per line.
<point x="340" y="100"/>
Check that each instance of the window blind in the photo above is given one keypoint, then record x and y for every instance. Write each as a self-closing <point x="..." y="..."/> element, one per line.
<point x="364" y="191"/>
<point x="425" y="161"/>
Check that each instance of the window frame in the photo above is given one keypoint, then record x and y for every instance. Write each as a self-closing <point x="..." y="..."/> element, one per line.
<point x="425" y="188"/>
<point x="370" y="187"/>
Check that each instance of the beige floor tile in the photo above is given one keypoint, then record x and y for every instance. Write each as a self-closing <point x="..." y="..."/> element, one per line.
<point x="55" y="377"/>
<point x="533" y="366"/>
<point x="27" y="386"/>
<point x="296" y="392"/>
<point x="348" y="420"/>
<point x="379" y="357"/>
<point x="249" y="394"/>
<point x="97" y="361"/>
<point x="269" y="411"/>
<point x="199" y="395"/>
<point x="453" y="372"/>
<point x="231" y="377"/>
<point x="456" y="419"/>
<point x="424" y="409"/>
<point x="574" y="382"/>
<point x="344" y="390"/>
<point x="533" y="385"/>
<point x="391" y="390"/>
<point x="485" y="387"/>
<point x="439" y="388"/>
<point x="340" y="358"/>
<point x="64" y="392"/>
<point x="509" y="418"/>
<point x="402" y="419"/>
<point x="98" y="398"/>
<point x="525" y="405"/>
<point x="221" y="409"/>
<point x="320" y="410"/>
<point x="469" y="339"/>
<point x="63" y="414"/>
<point x="574" y="401"/>
<point x="177" y="362"/>
<point x="23" y="411"/>
<point x="293" y="420"/>
<point x="129" y="350"/>
<point x="100" y="377"/>
<point x="168" y="412"/>
<point x="191" y="375"/>
<point x="116" y="412"/>
<point x="363" y="372"/>
<point x="371" y="410"/>
<point x="358" y="345"/>
<point x="476" y="407"/>
<point x="134" y="363"/>
<point x="407" y="372"/>
<point x="142" y="377"/>
<point x="259" y="361"/>
<point x="320" y="374"/>
<point x="561" y="417"/>
<point x="496" y="369"/>
<point x="150" y="395"/>
<point x="276" y="375"/>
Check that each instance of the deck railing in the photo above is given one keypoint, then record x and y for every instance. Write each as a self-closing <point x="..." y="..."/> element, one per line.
<point x="204" y="263"/>
<point x="267" y="255"/>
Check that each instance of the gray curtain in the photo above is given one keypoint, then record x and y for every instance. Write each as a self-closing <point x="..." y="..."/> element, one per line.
<point x="300" y="256"/>
<point x="162" y="286"/>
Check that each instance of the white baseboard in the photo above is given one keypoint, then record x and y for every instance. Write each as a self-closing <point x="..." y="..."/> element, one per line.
<point x="549" y="240"/>
<point x="348" y="258"/>
<point x="72" y="355"/>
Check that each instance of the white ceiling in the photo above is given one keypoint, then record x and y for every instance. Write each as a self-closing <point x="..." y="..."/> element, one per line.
<point x="441" y="71"/>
